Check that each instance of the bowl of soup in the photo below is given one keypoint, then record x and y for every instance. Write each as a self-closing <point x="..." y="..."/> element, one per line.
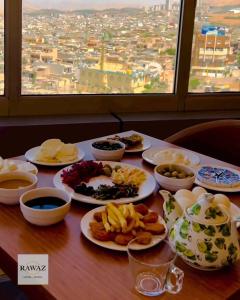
<point x="13" y="184"/>
<point x="45" y="206"/>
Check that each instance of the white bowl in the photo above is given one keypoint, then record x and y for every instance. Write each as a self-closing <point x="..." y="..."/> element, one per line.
<point x="174" y="184"/>
<point x="45" y="217"/>
<point x="111" y="155"/>
<point x="12" y="196"/>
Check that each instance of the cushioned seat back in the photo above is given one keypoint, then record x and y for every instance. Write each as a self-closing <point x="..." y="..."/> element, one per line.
<point x="219" y="139"/>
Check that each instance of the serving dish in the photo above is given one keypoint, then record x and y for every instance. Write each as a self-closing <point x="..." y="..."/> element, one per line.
<point x="85" y="229"/>
<point x="145" y="190"/>
<point x="19" y="165"/>
<point x="158" y="155"/>
<point x="145" y="144"/>
<point x="43" y="217"/>
<point x="174" y="184"/>
<point x="233" y="189"/>
<point x="31" y="154"/>
<point x="11" y="196"/>
<point x="111" y="155"/>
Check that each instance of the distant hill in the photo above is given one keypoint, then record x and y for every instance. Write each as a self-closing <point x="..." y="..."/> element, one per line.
<point x="128" y="10"/>
<point x="223" y="2"/>
<point x="45" y="12"/>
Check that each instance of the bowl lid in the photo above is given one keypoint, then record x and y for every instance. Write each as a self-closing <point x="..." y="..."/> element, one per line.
<point x="206" y="211"/>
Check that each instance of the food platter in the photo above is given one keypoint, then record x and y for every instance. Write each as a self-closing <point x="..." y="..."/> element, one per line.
<point x="85" y="229"/>
<point x="145" y="190"/>
<point x="220" y="188"/>
<point x="22" y="166"/>
<point x="158" y="155"/>
<point x="146" y="144"/>
<point x="31" y="154"/>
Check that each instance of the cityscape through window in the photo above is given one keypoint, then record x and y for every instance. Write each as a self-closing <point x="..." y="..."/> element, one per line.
<point x="99" y="47"/>
<point x="216" y="47"/>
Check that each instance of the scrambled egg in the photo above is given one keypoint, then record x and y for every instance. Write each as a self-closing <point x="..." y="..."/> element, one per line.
<point x="128" y="176"/>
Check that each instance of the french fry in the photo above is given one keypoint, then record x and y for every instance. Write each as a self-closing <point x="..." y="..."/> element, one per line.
<point x="105" y="222"/>
<point x="113" y="222"/>
<point x="130" y="226"/>
<point x="141" y="224"/>
<point x="132" y="212"/>
<point x="113" y="217"/>
<point x="139" y="215"/>
<point x="125" y="210"/>
<point x="118" y="214"/>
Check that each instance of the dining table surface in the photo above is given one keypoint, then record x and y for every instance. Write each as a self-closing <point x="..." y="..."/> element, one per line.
<point x="81" y="270"/>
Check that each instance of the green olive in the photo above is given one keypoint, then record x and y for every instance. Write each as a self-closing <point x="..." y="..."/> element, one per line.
<point x="181" y="175"/>
<point x="167" y="174"/>
<point x="174" y="174"/>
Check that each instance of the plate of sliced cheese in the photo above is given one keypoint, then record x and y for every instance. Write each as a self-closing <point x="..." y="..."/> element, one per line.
<point x="54" y="152"/>
<point x="158" y="155"/>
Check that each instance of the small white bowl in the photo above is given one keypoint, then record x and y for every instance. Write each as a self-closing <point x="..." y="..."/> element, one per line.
<point x="48" y="216"/>
<point x="12" y="196"/>
<point x="174" y="184"/>
<point x="111" y="155"/>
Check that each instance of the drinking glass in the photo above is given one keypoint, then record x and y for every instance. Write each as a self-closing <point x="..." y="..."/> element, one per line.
<point x="153" y="269"/>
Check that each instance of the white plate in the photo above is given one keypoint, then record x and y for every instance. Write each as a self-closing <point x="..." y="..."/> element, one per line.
<point x="88" y="217"/>
<point x="31" y="154"/>
<point x="22" y="166"/>
<point x="218" y="188"/>
<point x="153" y="156"/>
<point x="145" y="190"/>
<point x="146" y="144"/>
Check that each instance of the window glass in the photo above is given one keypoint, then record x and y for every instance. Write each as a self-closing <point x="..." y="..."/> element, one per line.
<point x="1" y="47"/>
<point x="99" y="47"/>
<point x="215" y="65"/>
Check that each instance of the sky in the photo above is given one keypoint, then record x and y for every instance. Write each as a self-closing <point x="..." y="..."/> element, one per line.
<point x="95" y="4"/>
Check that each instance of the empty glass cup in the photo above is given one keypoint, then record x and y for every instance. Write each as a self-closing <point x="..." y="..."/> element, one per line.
<point x="154" y="270"/>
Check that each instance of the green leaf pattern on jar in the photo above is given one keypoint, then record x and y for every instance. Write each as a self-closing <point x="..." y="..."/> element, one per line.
<point x="184" y="228"/>
<point x="233" y="255"/>
<point x="220" y="243"/>
<point x="210" y="230"/>
<point x="172" y="233"/>
<point x="180" y="247"/>
<point x="213" y="212"/>
<point x="198" y="227"/>
<point x="225" y="229"/>
<point x="170" y="206"/>
<point x="196" y="209"/>
<point x="211" y="256"/>
<point x="204" y="246"/>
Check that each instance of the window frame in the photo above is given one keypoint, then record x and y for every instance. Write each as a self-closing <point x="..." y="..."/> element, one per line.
<point x="15" y="104"/>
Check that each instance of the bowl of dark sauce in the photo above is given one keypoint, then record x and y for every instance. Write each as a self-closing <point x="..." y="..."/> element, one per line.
<point x="45" y="206"/>
<point x="108" y="150"/>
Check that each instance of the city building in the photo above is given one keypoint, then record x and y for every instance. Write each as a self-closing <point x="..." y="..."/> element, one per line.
<point x="212" y="51"/>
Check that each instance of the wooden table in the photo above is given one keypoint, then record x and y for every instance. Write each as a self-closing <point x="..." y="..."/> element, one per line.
<point x="80" y="270"/>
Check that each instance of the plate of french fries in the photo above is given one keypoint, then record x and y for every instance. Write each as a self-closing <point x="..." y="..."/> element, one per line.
<point x="113" y="226"/>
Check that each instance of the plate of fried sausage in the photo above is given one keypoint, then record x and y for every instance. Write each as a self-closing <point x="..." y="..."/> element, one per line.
<point x="113" y="226"/>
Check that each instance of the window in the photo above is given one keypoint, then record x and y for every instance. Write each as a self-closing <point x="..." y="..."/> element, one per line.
<point x="1" y="47"/>
<point x="107" y="48"/>
<point x="114" y="56"/>
<point x="215" y="65"/>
